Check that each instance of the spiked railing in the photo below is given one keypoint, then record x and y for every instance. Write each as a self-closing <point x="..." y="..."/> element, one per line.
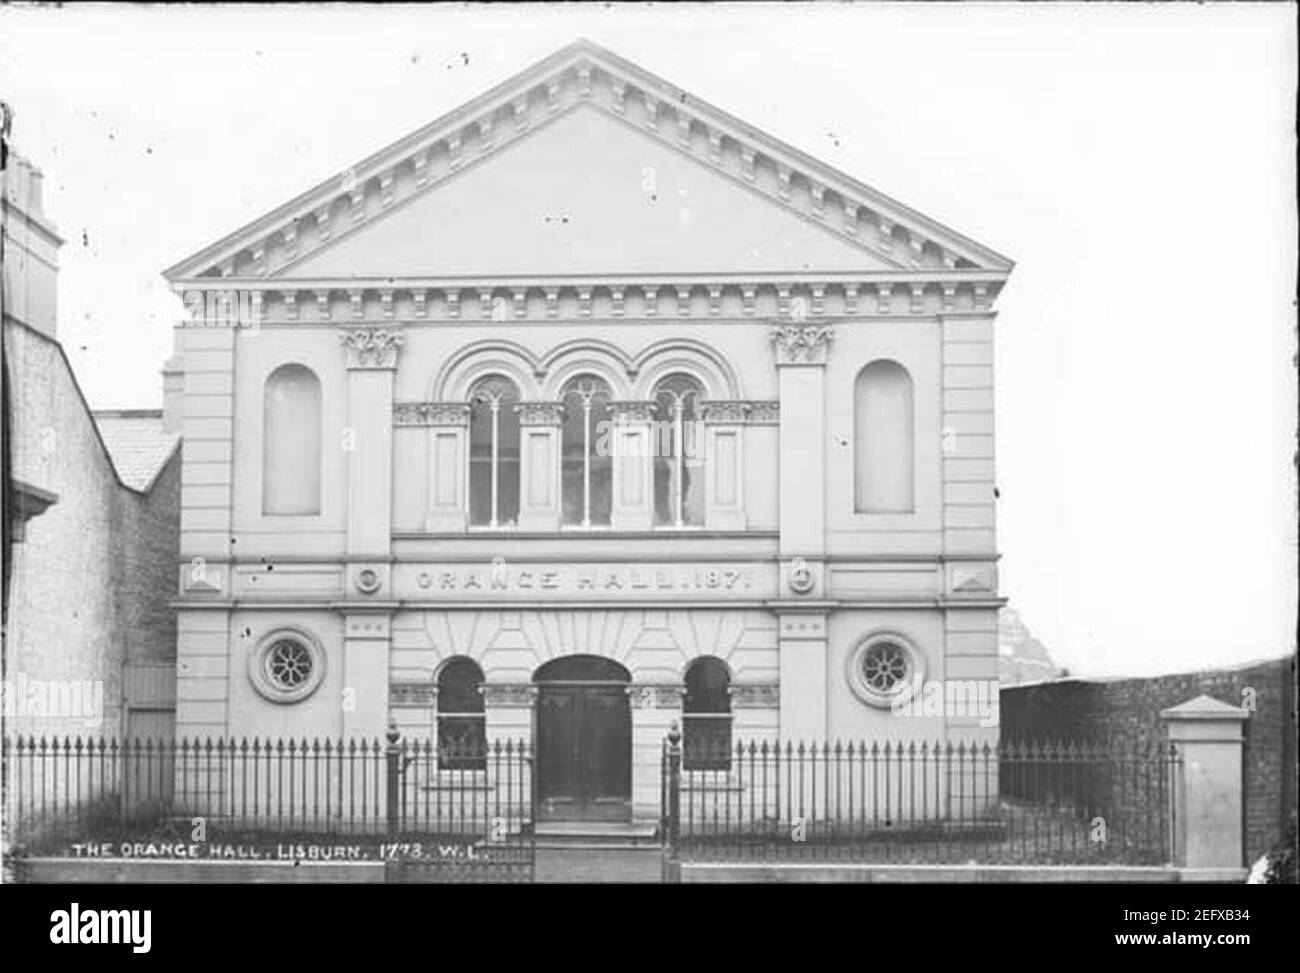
<point x="75" y="788"/>
<point x="942" y="802"/>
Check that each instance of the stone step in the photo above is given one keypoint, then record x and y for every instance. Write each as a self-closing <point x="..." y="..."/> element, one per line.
<point x="591" y="835"/>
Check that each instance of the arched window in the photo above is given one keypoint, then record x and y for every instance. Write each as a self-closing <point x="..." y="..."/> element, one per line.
<point x="706" y="715"/>
<point x="883" y="439"/>
<point x="679" y="453"/>
<point x="493" y="452"/>
<point x="462" y="738"/>
<point x="291" y="442"/>
<point x="585" y="475"/>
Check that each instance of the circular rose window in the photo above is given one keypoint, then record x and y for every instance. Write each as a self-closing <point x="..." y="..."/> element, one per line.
<point x="287" y="666"/>
<point x="883" y="668"/>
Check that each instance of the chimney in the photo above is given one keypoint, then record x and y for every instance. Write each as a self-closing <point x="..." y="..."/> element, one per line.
<point x="36" y="183"/>
<point x="173" y="374"/>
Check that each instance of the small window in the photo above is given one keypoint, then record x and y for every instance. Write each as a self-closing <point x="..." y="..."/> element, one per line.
<point x="706" y="716"/>
<point x="679" y="453"/>
<point x="291" y="442"/>
<point x="462" y="736"/>
<point x="586" y="472"/>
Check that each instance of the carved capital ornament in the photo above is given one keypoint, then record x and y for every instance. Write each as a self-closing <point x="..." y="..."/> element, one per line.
<point x="371" y="347"/>
<point x="796" y="344"/>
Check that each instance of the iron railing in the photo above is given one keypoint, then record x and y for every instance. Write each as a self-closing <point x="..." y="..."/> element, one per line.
<point x="919" y="802"/>
<point x="61" y="788"/>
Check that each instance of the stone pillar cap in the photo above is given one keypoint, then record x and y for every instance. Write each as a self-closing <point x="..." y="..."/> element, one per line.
<point x="1204" y="707"/>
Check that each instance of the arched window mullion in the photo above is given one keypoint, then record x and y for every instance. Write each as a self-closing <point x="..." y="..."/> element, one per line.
<point x="586" y="499"/>
<point x="494" y="473"/>
<point x="586" y="460"/>
<point x="673" y="507"/>
<point x="494" y="520"/>
<point x="679" y="461"/>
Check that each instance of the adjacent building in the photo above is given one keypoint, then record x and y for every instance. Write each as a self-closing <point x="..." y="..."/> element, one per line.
<point x="92" y="520"/>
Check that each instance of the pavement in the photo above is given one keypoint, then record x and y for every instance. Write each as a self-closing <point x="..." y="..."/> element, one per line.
<point x="603" y="865"/>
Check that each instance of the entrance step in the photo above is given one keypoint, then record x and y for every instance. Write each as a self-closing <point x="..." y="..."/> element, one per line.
<point x="591" y="835"/>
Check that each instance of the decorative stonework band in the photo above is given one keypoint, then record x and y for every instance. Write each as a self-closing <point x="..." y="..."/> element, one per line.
<point x="373" y="306"/>
<point x="657" y="696"/>
<point x="412" y="695"/>
<point x="734" y="411"/>
<point x="431" y="413"/>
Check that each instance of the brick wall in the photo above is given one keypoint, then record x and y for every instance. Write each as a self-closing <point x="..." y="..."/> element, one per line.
<point x="151" y="537"/>
<point x="1129" y="710"/>
<point x="91" y="578"/>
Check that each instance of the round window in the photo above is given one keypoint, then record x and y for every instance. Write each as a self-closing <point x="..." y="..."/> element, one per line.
<point x="883" y="668"/>
<point x="287" y="666"/>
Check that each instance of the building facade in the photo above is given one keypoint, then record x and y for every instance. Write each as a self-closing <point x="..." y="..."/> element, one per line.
<point x="585" y="409"/>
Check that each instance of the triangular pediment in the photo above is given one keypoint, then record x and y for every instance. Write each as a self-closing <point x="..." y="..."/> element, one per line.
<point x="587" y="164"/>
<point x="587" y="194"/>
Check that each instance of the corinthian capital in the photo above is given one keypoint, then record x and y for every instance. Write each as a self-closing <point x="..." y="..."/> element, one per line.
<point x="371" y="347"/>
<point x="801" y="344"/>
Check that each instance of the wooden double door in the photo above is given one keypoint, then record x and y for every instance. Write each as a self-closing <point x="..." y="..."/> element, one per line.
<point x="584" y="751"/>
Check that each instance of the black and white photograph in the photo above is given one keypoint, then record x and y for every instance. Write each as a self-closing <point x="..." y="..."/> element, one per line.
<point x="649" y="444"/>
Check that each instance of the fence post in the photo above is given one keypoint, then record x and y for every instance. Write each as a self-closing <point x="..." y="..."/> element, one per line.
<point x="393" y="756"/>
<point x="672" y="870"/>
<point x="1207" y="800"/>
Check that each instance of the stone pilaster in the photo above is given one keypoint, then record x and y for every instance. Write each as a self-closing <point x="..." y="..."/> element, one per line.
<point x="372" y="360"/>
<point x="539" y="465"/>
<point x="802" y="661"/>
<point x="203" y="637"/>
<point x="724" y="464"/>
<point x="800" y="351"/>
<point x="366" y="645"/>
<point x="448" y="458"/>
<point x="632" y="447"/>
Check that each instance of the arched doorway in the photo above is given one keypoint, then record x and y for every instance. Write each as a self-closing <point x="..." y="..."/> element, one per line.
<point x="584" y="740"/>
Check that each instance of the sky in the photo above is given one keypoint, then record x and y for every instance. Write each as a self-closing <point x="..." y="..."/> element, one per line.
<point x="1136" y="161"/>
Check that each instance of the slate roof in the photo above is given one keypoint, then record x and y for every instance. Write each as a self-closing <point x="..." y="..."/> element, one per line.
<point x="137" y="443"/>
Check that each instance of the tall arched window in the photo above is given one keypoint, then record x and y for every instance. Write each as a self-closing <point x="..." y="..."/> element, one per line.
<point x="291" y="442"/>
<point x="883" y="439"/>
<point x="493" y="452"/>
<point x="462" y="738"/>
<point x="679" y="453"/>
<point x="585" y="475"/>
<point x="706" y="715"/>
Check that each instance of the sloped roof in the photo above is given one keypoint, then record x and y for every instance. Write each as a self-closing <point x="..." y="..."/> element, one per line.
<point x="137" y="444"/>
